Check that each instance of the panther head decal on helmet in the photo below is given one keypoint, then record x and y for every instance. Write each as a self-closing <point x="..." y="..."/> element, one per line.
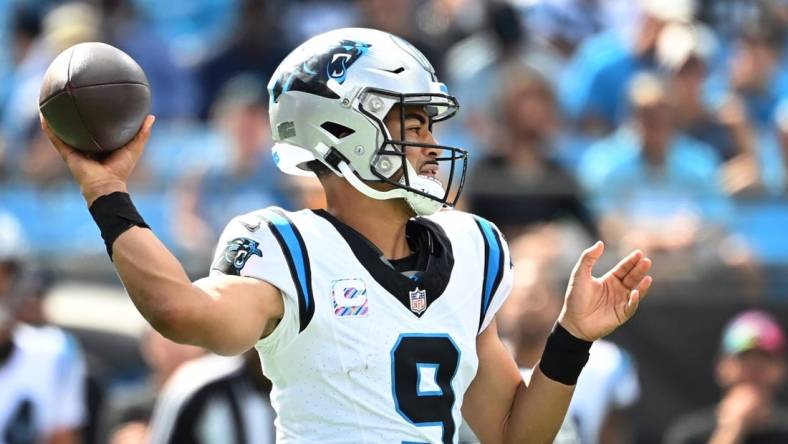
<point x="329" y="99"/>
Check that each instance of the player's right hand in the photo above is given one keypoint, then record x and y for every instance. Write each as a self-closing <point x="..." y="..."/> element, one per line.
<point x="97" y="177"/>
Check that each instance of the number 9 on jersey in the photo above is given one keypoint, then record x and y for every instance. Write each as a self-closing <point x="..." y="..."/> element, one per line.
<point x="422" y="369"/>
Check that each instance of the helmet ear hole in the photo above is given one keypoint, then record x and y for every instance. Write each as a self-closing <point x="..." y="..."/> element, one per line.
<point x="337" y="130"/>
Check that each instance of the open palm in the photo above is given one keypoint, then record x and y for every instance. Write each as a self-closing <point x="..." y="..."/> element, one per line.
<point x="594" y="307"/>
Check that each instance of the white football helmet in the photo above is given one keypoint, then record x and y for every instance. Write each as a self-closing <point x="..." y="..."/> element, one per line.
<point x="329" y="99"/>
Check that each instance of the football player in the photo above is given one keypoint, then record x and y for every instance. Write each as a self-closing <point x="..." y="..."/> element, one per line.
<point x="42" y="370"/>
<point x="374" y="319"/>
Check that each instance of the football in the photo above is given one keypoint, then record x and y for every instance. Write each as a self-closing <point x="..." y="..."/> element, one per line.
<point x="94" y="97"/>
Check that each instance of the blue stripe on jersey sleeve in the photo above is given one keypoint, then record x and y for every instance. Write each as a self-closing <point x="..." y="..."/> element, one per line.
<point x="294" y="250"/>
<point x="493" y="264"/>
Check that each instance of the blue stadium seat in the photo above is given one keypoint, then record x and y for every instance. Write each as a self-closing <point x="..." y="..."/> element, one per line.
<point x="762" y="223"/>
<point x="177" y="150"/>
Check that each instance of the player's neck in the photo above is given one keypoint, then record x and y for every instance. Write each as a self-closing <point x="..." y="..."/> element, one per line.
<point x="381" y="222"/>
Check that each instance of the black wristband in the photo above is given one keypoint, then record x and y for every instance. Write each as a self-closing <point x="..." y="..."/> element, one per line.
<point x="114" y="213"/>
<point x="564" y="356"/>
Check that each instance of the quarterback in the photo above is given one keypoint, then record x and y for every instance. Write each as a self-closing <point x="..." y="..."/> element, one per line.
<point x="374" y="318"/>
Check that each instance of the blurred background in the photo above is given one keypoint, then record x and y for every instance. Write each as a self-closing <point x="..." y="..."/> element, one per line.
<point x="652" y="124"/>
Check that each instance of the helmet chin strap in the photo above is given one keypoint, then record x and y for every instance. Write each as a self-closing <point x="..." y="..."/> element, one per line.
<point x="421" y="205"/>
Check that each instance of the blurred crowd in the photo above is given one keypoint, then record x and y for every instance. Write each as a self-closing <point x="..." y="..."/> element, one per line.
<point x="652" y="124"/>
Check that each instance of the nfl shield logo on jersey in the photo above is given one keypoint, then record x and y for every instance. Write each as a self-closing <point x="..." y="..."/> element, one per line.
<point x="418" y="301"/>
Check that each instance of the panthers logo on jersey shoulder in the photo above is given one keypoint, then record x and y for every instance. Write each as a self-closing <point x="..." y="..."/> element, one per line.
<point x="235" y="255"/>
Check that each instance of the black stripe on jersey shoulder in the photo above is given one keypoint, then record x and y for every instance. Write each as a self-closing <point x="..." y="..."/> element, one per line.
<point x="493" y="265"/>
<point x="295" y="252"/>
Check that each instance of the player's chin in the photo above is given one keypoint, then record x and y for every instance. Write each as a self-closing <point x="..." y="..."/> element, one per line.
<point x="433" y="176"/>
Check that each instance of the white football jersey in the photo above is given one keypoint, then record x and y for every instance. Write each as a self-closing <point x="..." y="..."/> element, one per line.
<point x="365" y="353"/>
<point x="42" y="385"/>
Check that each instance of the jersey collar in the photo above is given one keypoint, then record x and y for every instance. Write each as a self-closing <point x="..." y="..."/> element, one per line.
<point x="433" y="279"/>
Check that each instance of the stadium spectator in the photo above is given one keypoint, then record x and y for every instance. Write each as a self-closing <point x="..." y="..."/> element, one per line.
<point x="750" y="371"/>
<point x="207" y="200"/>
<point x="255" y="46"/>
<point x="396" y="17"/>
<point x="24" y="25"/>
<point x="215" y="399"/>
<point x="127" y="416"/>
<point x="654" y="187"/>
<point x="568" y="23"/>
<point x="753" y="71"/>
<point x="42" y="373"/>
<point x="519" y="183"/>
<point x="685" y="51"/>
<point x="23" y="21"/>
<point x="728" y="17"/>
<point x="444" y="22"/>
<point x="474" y="68"/>
<point x="773" y="153"/>
<point x="35" y="287"/>
<point x="63" y="26"/>
<point x="173" y="86"/>
<point x="593" y="88"/>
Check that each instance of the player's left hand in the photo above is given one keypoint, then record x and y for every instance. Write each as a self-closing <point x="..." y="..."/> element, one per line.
<point x="594" y="307"/>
